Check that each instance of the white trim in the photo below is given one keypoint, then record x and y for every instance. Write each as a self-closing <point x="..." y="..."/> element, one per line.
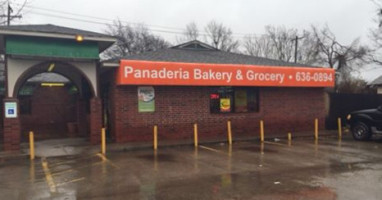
<point x="56" y="35"/>
<point x="109" y="64"/>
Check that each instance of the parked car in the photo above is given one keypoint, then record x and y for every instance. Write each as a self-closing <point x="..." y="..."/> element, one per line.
<point x="365" y="123"/>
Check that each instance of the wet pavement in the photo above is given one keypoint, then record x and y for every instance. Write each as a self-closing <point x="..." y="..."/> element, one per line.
<point x="302" y="169"/>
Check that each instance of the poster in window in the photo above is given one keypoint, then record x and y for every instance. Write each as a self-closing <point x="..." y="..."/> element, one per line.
<point x="241" y="101"/>
<point x="146" y="99"/>
<point x="225" y="105"/>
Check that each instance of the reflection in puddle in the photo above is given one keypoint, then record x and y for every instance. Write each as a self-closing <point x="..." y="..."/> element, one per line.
<point x="339" y="143"/>
<point x="160" y="157"/>
<point x="336" y="166"/>
<point x="32" y="171"/>
<point x="226" y="179"/>
<point x="155" y="160"/>
<point x="260" y="149"/>
<point x="196" y="165"/>
<point x="315" y="147"/>
<point x="147" y="191"/>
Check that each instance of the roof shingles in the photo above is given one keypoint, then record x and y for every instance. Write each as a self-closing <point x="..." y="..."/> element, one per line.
<point x="49" y="28"/>
<point x="213" y="56"/>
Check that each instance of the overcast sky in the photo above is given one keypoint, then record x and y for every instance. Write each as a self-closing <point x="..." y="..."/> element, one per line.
<point x="348" y="19"/>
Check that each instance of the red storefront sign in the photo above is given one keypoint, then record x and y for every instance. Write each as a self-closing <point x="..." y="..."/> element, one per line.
<point x="133" y="72"/>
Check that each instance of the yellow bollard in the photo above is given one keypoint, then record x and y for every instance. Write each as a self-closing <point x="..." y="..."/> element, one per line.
<point x="31" y="145"/>
<point x="316" y="129"/>
<point x="289" y="136"/>
<point x="289" y="139"/>
<point x="103" y="141"/>
<point x="229" y="132"/>
<point x="155" y="137"/>
<point x="339" y="128"/>
<point x="262" y="148"/>
<point x="196" y="135"/>
<point x="261" y="130"/>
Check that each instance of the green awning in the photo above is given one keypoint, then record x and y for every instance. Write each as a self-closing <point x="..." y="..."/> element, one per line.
<point x="49" y="47"/>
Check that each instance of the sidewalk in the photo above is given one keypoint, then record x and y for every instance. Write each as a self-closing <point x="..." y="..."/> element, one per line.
<point x="77" y="146"/>
<point x="113" y="147"/>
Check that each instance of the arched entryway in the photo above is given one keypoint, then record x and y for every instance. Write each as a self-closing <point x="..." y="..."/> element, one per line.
<point x="30" y="50"/>
<point x="54" y="101"/>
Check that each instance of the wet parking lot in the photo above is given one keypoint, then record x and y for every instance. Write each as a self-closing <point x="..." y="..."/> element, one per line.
<point x="303" y="169"/>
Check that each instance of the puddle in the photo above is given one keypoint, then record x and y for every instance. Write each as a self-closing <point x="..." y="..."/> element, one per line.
<point x="340" y="167"/>
<point x="158" y="157"/>
<point x="258" y="149"/>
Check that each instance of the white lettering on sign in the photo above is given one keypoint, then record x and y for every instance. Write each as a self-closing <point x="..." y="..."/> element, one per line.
<point x="155" y="74"/>
<point x="254" y="76"/>
<point x="199" y="74"/>
<point x="211" y="75"/>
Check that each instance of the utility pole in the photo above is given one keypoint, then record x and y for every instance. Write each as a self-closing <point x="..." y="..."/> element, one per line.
<point x="9" y="16"/>
<point x="295" y="47"/>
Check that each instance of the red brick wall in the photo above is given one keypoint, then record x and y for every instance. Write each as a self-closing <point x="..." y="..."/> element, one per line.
<point x="177" y="108"/>
<point x="51" y="109"/>
<point x="11" y="132"/>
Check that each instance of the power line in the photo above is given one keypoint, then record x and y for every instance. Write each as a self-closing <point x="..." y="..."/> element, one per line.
<point x="108" y="22"/>
<point x="98" y="18"/>
<point x="95" y="22"/>
<point x="172" y="30"/>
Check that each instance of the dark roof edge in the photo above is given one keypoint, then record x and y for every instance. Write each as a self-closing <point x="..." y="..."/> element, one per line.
<point x="97" y="37"/>
<point x="377" y="81"/>
<point x="207" y="63"/>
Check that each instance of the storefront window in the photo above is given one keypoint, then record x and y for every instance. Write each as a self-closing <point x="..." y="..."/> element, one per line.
<point x="234" y="99"/>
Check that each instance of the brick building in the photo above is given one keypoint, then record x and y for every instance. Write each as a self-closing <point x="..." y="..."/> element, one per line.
<point x="182" y="101"/>
<point x="55" y="85"/>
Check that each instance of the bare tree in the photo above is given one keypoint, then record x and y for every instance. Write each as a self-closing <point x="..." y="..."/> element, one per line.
<point x="279" y="43"/>
<point x="281" y="40"/>
<point x="376" y="34"/>
<point x="221" y="37"/>
<point x="336" y="55"/>
<point x="258" y="46"/>
<point x="132" y="40"/>
<point x="191" y="32"/>
<point x="353" y="84"/>
<point x="308" y="49"/>
<point x="345" y="59"/>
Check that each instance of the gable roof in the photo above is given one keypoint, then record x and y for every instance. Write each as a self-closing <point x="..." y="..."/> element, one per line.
<point x="198" y="52"/>
<point x="377" y="81"/>
<point x="194" y="44"/>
